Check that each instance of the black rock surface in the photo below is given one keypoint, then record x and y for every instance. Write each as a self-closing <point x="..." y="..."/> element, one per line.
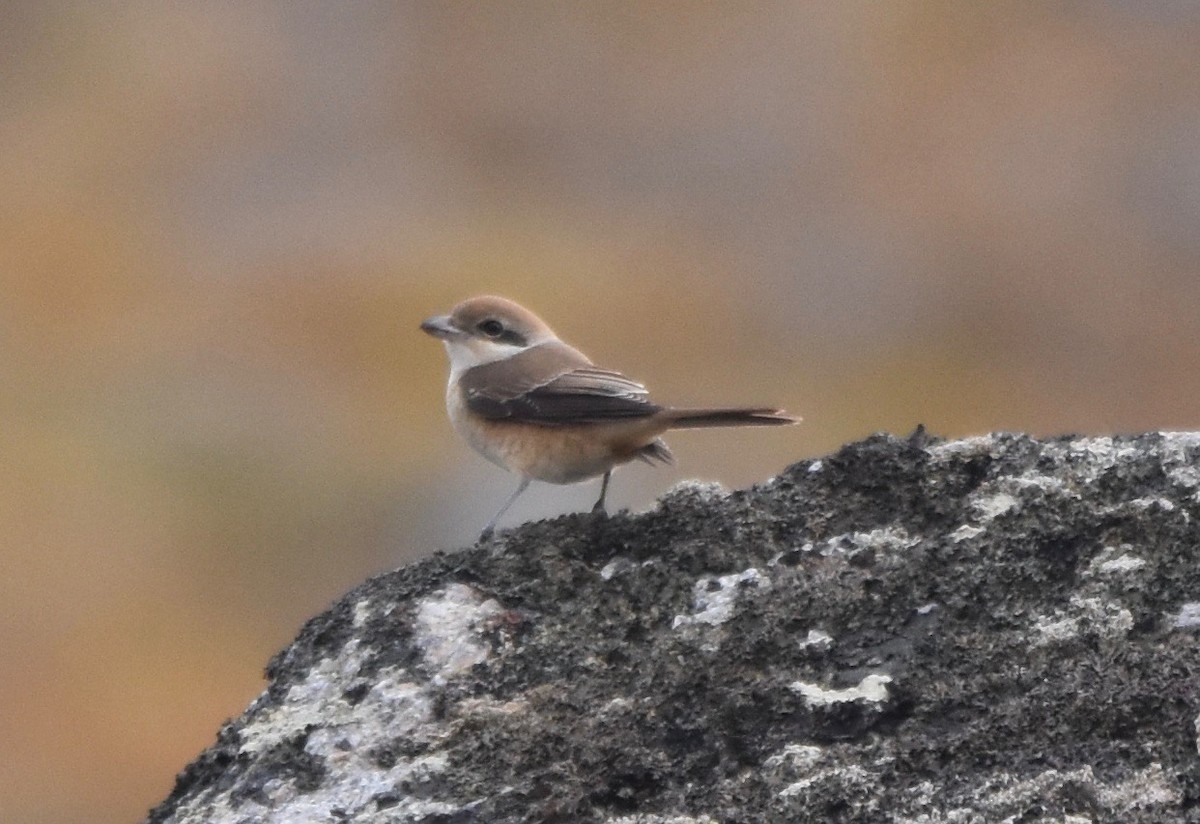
<point x="993" y="629"/>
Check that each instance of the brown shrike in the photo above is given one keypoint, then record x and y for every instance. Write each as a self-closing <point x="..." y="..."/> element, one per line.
<point x="537" y="407"/>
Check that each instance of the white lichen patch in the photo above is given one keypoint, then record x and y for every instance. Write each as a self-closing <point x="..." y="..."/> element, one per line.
<point x="1179" y="443"/>
<point x="353" y="779"/>
<point x="1180" y="448"/>
<point x="806" y="769"/>
<point x="1126" y="563"/>
<point x="1187" y="477"/>
<point x="319" y="807"/>
<point x="703" y="492"/>
<point x="1154" y="504"/>
<point x="872" y="689"/>
<point x="654" y="818"/>
<point x="615" y="567"/>
<point x="1114" y="561"/>
<point x="988" y="503"/>
<point x="1047" y="485"/>
<point x="1093" y="456"/>
<point x="796" y="757"/>
<point x="1006" y="494"/>
<point x="990" y="507"/>
<point x="319" y="702"/>
<point x="344" y="721"/>
<point x="447" y="629"/>
<point x="1068" y="467"/>
<point x="889" y="539"/>
<point x="849" y="777"/>
<point x="1092" y="615"/>
<point x="1142" y="504"/>
<point x="714" y="599"/>
<point x="1149" y="787"/>
<point x="962" y="448"/>
<point x="1003" y="796"/>
<point x="966" y="532"/>
<point x="487" y="707"/>
<point x="342" y="735"/>
<point x="817" y="638"/>
<point x="1181" y="460"/>
<point x="1188" y="616"/>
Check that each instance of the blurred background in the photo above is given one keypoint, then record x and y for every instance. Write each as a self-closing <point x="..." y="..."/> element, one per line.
<point x="220" y="224"/>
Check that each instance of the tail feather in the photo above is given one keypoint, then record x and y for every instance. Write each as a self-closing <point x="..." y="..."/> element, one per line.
<point x="656" y="450"/>
<point x="695" y="418"/>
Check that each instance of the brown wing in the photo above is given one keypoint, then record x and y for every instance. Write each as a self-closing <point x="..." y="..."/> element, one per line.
<point x="553" y="385"/>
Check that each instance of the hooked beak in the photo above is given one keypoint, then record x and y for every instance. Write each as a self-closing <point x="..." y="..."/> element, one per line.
<point x="441" y="327"/>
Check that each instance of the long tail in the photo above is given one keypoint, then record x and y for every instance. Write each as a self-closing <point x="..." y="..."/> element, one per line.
<point x="695" y="418"/>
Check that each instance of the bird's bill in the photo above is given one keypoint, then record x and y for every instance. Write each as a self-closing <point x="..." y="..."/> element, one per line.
<point x="441" y="327"/>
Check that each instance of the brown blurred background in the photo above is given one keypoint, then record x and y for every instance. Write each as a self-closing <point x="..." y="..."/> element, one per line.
<point x="220" y="224"/>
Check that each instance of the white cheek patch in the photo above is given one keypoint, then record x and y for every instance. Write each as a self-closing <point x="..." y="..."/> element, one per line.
<point x="465" y="354"/>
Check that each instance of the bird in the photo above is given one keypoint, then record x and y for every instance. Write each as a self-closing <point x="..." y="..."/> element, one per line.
<point x="539" y="408"/>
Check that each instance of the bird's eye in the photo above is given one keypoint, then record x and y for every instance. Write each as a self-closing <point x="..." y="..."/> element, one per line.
<point x="490" y="327"/>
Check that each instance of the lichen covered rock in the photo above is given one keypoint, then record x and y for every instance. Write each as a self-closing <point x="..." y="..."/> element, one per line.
<point x="910" y="630"/>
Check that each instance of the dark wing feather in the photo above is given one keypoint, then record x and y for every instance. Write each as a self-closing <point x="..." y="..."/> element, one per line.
<point x="578" y="394"/>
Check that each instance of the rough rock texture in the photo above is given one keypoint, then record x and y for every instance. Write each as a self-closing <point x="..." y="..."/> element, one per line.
<point x="994" y="629"/>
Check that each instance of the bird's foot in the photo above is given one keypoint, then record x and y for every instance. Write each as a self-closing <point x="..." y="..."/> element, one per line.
<point x="598" y="518"/>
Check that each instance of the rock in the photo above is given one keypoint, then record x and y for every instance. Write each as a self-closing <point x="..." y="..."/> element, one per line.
<point x="992" y="629"/>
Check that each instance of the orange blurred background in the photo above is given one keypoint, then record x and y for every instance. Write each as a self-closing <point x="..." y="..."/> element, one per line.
<point x="220" y="224"/>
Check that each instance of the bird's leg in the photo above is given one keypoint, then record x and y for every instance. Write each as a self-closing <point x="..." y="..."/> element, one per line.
<point x="599" y="507"/>
<point x="491" y="525"/>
